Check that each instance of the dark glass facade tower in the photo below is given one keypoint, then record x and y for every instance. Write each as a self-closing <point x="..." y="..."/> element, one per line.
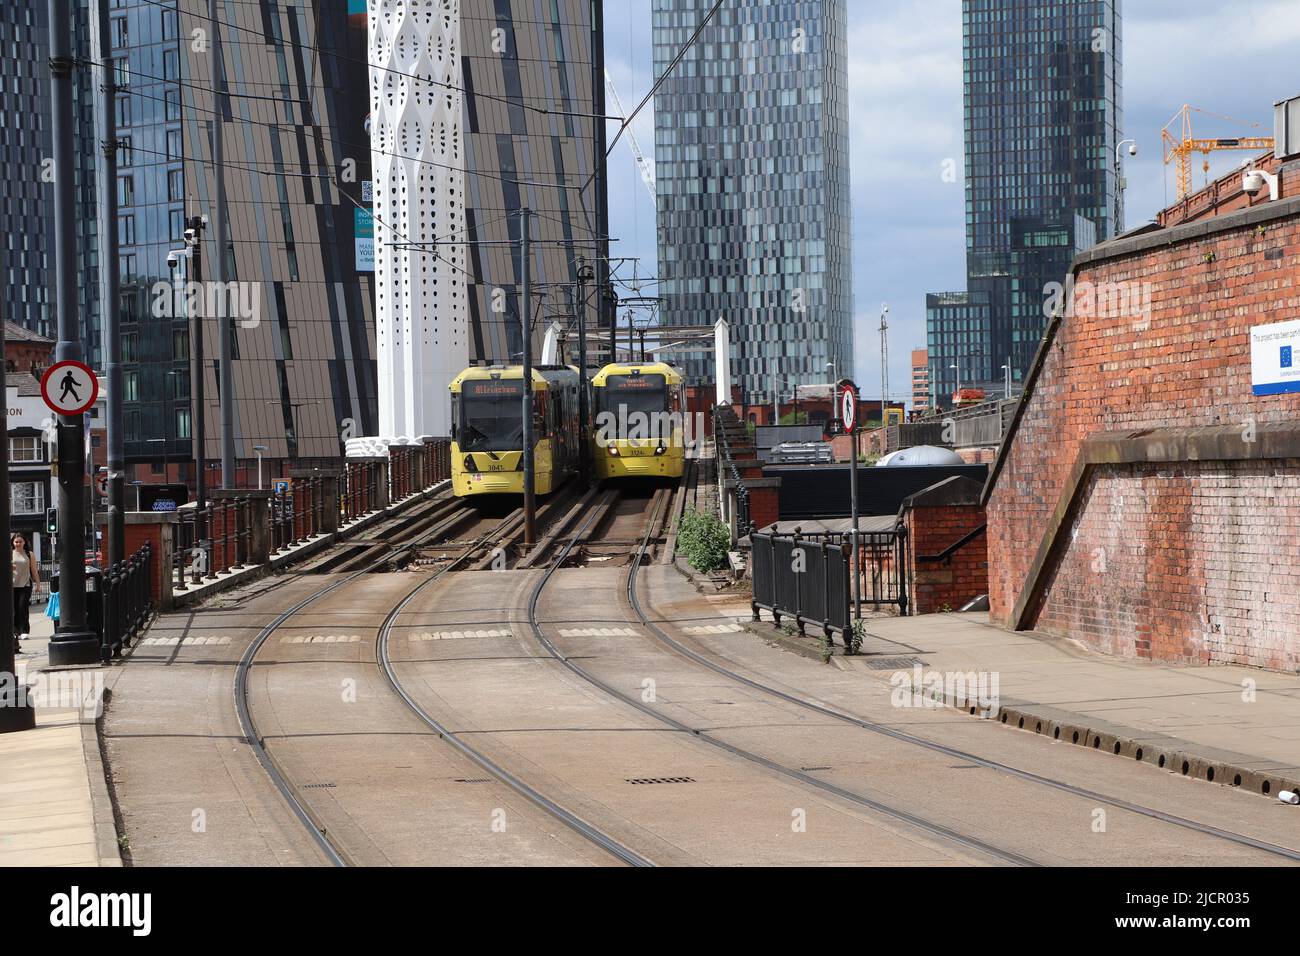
<point x="752" y="171"/>
<point x="26" y="222"/>
<point x="26" y="198"/>
<point x="1042" y="94"/>
<point x="297" y="157"/>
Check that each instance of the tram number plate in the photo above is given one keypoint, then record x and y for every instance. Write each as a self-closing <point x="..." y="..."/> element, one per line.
<point x="634" y="452"/>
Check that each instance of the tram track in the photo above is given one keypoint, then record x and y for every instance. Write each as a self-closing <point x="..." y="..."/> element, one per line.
<point x="335" y="854"/>
<point x="901" y="736"/>
<point x="654" y="519"/>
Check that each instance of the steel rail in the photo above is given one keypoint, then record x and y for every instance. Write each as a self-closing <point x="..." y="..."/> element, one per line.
<point x="566" y="817"/>
<point x="904" y="737"/>
<point x="301" y="811"/>
<point x="859" y="799"/>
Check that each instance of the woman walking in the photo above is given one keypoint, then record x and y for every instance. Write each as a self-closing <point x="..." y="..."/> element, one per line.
<point x="25" y="575"/>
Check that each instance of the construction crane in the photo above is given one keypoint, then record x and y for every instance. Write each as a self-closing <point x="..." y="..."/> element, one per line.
<point x="647" y="171"/>
<point x="1179" y="149"/>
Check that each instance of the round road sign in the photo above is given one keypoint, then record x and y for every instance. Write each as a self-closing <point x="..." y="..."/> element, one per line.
<point x="848" y="406"/>
<point x="69" y="388"/>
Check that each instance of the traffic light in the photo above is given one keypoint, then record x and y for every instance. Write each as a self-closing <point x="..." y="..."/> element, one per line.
<point x="52" y="520"/>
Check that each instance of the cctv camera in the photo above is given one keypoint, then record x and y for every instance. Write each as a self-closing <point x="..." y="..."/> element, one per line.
<point x="1133" y="149"/>
<point x="173" y="259"/>
<point x="191" y="236"/>
<point x="1253" y="182"/>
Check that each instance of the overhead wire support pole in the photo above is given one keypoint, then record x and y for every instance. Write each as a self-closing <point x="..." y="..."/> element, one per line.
<point x="525" y="321"/>
<point x="584" y="397"/>
<point x="73" y="642"/>
<point x="110" y="314"/>
<point x="219" y="259"/>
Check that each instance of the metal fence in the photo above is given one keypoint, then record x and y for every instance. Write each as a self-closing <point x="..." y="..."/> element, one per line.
<point x="126" y="596"/>
<point x="804" y="579"/>
<point x="809" y="577"/>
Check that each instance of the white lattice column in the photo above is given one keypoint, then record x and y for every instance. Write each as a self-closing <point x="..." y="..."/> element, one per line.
<point x="419" y="197"/>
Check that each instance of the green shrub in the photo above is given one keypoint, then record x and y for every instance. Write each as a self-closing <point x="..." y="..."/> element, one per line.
<point x="704" y="540"/>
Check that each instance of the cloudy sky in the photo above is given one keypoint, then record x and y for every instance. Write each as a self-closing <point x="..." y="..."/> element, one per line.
<point x="1230" y="59"/>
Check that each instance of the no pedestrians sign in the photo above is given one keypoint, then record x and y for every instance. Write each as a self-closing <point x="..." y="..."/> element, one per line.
<point x="69" y="388"/>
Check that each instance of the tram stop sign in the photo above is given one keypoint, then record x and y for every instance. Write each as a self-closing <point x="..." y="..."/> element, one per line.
<point x="69" y="388"/>
<point x="848" y="405"/>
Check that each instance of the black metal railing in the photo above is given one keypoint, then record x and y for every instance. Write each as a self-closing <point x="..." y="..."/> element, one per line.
<point x="805" y="580"/>
<point x="725" y="422"/>
<point x="883" y="561"/>
<point x="125" y="591"/>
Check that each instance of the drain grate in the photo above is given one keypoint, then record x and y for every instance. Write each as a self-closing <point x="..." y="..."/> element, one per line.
<point x="811" y="769"/>
<point x="892" y="663"/>
<point x="647" y="780"/>
<point x="319" y="786"/>
<point x="473" y="780"/>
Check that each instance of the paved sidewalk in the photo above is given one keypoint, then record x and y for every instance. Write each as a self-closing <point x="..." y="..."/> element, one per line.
<point x="1232" y="720"/>
<point x="52" y="788"/>
<point x="1234" y="725"/>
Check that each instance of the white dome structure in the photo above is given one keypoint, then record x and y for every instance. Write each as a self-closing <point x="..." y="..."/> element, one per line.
<point x="921" y="455"/>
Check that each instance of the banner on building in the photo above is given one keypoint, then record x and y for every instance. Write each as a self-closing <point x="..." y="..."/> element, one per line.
<point x="1275" y="358"/>
<point x="364" y="236"/>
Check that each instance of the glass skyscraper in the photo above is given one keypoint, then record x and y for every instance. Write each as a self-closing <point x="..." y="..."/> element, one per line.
<point x="1042" y="94"/>
<point x="26" y="189"/>
<point x="752" y="170"/>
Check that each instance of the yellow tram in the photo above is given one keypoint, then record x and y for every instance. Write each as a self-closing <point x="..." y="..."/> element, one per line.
<point x="487" y="456"/>
<point x="638" y="427"/>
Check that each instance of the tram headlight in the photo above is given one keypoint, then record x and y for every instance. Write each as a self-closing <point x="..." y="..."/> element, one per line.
<point x="470" y="466"/>
<point x="661" y="450"/>
<point x="612" y="449"/>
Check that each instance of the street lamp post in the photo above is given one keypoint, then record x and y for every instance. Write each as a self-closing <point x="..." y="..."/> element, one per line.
<point x="1007" y="370"/>
<point x="73" y="641"/>
<point x="1123" y="182"/>
<point x="957" y="391"/>
<point x="259" y="449"/>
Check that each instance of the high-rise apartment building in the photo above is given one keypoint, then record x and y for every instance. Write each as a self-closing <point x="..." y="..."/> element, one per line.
<point x="26" y="216"/>
<point x="752" y="171"/>
<point x="26" y="189"/>
<point x="1042" y="94"/>
<point x="920" y="382"/>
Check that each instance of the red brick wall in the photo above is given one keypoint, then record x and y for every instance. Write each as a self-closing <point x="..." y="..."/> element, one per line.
<point x="965" y="575"/>
<point x="134" y="536"/>
<point x="764" y="506"/>
<point x="1185" y="364"/>
<point x="1198" y="564"/>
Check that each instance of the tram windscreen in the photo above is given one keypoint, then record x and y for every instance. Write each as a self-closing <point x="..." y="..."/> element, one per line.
<point x="491" y="416"/>
<point x="635" y="406"/>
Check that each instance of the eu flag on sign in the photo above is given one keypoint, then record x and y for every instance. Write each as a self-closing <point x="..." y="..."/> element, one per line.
<point x="1286" y="356"/>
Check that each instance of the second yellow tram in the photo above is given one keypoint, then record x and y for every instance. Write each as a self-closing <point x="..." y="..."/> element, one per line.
<point x="638" y="427"/>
